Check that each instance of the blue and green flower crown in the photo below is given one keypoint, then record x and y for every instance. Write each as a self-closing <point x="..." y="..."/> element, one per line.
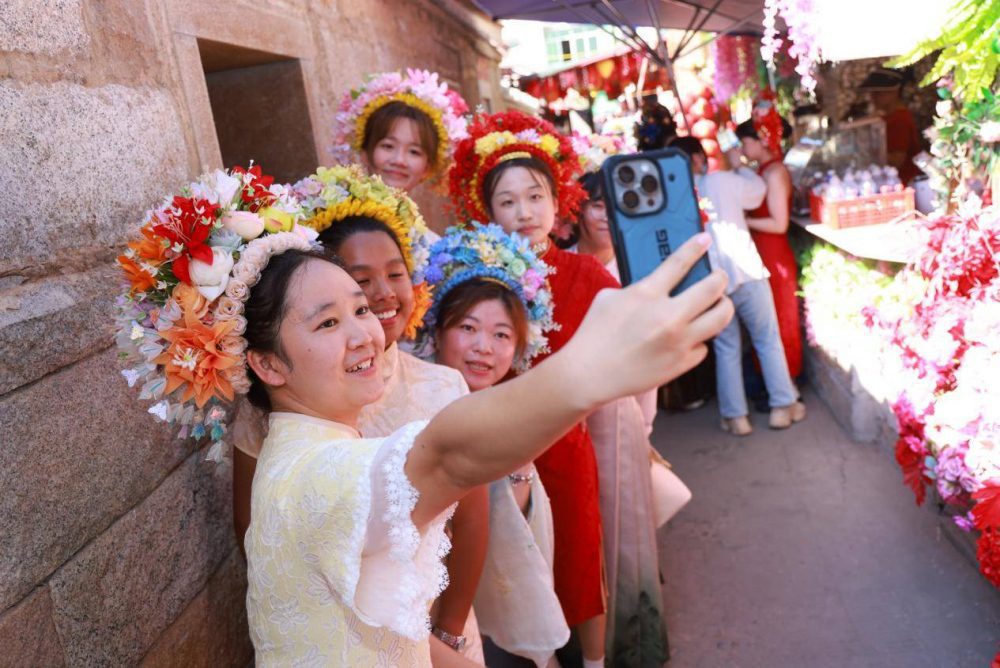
<point x="486" y="251"/>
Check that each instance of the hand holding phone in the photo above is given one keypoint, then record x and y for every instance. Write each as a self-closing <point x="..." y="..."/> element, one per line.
<point x="652" y="210"/>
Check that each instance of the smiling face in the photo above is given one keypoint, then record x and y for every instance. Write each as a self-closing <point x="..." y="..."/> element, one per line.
<point x="399" y="157"/>
<point x="522" y="201"/>
<point x="330" y="348"/>
<point x="374" y="260"/>
<point x="481" y="345"/>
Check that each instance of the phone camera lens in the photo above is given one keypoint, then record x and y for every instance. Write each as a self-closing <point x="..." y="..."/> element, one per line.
<point x="649" y="183"/>
<point x="626" y="174"/>
<point x="630" y="199"/>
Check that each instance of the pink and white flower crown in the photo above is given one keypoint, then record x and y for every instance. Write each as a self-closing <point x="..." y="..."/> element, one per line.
<point x="419" y="89"/>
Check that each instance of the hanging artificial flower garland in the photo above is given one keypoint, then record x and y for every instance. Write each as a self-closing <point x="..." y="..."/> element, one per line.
<point x="803" y="32"/>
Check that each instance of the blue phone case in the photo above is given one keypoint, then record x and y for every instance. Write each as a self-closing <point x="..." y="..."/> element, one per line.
<point x="645" y="235"/>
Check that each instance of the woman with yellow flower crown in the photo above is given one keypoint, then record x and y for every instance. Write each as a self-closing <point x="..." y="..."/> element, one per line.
<point x="379" y="234"/>
<point x="345" y="547"/>
<point x="519" y="172"/>
<point x="401" y="128"/>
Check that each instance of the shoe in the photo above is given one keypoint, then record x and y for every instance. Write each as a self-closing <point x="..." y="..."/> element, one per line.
<point x="693" y="405"/>
<point x="738" y="426"/>
<point x="784" y="417"/>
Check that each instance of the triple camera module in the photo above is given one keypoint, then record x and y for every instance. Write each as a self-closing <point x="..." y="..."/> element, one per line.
<point x="641" y="191"/>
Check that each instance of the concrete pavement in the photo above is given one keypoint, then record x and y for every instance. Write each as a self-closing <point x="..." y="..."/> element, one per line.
<point x="802" y="548"/>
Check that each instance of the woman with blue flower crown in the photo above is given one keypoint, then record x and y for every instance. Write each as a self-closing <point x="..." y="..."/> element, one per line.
<point x="345" y="545"/>
<point x="491" y="312"/>
<point x="519" y="172"/>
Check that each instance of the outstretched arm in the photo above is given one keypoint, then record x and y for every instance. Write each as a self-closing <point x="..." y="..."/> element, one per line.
<point x="485" y="435"/>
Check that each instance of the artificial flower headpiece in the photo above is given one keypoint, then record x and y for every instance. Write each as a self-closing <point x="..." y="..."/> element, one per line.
<point x="180" y="322"/>
<point x="494" y="138"/>
<point x="486" y="251"/>
<point x="419" y="89"/>
<point x="335" y="193"/>
<point x="594" y="149"/>
<point x="767" y="122"/>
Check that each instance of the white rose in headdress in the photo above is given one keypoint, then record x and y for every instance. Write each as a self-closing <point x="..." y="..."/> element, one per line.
<point x="211" y="279"/>
<point x="244" y="223"/>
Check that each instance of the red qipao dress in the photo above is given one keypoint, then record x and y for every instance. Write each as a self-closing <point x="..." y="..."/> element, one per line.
<point x="779" y="259"/>
<point x="569" y="468"/>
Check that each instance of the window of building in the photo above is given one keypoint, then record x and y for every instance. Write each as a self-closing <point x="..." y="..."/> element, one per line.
<point x="260" y="109"/>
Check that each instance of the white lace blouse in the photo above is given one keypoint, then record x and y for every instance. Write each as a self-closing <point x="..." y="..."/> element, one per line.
<point x="338" y="573"/>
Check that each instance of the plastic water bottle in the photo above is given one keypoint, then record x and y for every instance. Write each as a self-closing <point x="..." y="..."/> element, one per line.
<point x="866" y="185"/>
<point x="834" y="189"/>
<point x="892" y="179"/>
<point x="851" y="187"/>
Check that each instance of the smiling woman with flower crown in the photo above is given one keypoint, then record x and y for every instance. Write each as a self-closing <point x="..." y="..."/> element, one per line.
<point x="347" y="534"/>
<point x="401" y="128"/>
<point x="379" y="234"/>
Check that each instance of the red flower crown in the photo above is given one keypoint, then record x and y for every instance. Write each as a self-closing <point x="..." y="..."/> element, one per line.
<point x="494" y="138"/>
<point x="767" y="122"/>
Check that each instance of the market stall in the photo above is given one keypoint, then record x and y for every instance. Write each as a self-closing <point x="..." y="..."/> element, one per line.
<point x="902" y="308"/>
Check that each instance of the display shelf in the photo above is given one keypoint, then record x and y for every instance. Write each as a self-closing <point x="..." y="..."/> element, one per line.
<point x="889" y="242"/>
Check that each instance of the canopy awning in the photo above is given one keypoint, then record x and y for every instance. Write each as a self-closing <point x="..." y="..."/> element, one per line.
<point x="610" y="74"/>
<point x="692" y="15"/>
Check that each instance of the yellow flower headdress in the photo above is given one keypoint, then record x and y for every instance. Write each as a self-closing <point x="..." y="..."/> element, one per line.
<point x="336" y="193"/>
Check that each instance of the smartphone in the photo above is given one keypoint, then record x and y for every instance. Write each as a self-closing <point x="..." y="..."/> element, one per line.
<point x="652" y="210"/>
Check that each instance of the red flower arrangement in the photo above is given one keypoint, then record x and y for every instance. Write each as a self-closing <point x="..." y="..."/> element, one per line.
<point x="187" y="224"/>
<point x="948" y="347"/>
<point x="494" y="138"/>
<point x="256" y="194"/>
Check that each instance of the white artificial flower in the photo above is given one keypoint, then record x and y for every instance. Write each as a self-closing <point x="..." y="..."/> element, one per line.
<point x="211" y="279"/>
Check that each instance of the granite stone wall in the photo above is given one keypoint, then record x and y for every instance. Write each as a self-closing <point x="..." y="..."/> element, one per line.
<point x="117" y="543"/>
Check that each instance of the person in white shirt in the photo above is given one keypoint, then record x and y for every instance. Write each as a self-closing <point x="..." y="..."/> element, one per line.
<point x="729" y="193"/>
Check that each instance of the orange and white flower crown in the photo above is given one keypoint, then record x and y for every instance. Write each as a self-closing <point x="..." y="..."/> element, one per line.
<point x="495" y="138"/>
<point x="180" y="319"/>
<point x="335" y="193"/>
<point x="419" y="89"/>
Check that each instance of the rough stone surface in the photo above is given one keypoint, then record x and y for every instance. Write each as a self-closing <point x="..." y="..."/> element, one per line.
<point x="54" y="322"/>
<point x="212" y="630"/>
<point x="117" y="595"/>
<point x="27" y="634"/>
<point x="42" y="26"/>
<point x="88" y="162"/>
<point x="78" y="451"/>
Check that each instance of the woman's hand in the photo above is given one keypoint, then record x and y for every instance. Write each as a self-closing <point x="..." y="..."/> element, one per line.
<point x="631" y="340"/>
<point x="641" y="337"/>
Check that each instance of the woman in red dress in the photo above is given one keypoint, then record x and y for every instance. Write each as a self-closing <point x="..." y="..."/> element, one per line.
<point x="761" y="140"/>
<point x="519" y="172"/>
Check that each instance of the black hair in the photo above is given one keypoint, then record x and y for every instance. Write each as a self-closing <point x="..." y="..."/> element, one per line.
<point x="593" y="183"/>
<point x="746" y="130"/>
<point x="334" y="236"/>
<point x="265" y="309"/>
<point x="690" y="145"/>
<point x="531" y="163"/>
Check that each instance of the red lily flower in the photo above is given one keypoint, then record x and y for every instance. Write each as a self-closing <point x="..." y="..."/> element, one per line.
<point x="187" y="223"/>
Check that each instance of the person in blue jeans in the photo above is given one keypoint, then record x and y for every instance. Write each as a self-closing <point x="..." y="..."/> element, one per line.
<point x="728" y="194"/>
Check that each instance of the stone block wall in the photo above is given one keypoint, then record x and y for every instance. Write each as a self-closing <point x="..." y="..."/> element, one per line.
<point x="117" y="542"/>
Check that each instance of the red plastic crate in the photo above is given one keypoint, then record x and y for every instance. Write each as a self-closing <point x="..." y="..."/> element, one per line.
<point x="870" y="210"/>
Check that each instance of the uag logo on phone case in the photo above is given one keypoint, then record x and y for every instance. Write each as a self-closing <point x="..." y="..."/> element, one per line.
<point x="662" y="244"/>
